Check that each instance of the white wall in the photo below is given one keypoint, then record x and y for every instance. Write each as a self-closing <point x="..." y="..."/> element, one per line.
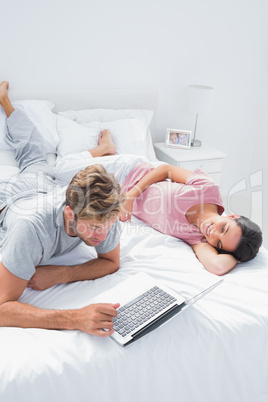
<point x="165" y="45"/>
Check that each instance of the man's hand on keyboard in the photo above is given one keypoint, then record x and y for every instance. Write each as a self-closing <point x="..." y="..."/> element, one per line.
<point x="94" y="318"/>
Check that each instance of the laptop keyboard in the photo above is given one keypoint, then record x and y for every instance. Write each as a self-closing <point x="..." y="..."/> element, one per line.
<point x="141" y="309"/>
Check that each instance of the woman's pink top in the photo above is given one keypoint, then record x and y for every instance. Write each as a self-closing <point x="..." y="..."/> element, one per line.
<point x="163" y="205"/>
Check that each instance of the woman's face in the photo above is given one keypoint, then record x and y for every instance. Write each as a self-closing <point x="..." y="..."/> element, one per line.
<point x="222" y="232"/>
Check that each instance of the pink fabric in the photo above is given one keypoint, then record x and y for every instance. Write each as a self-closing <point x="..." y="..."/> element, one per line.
<point x="163" y="205"/>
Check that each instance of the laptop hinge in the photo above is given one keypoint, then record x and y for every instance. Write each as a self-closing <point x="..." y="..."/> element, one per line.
<point x="156" y="323"/>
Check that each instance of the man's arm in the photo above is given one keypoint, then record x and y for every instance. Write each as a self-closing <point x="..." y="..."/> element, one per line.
<point x="214" y="262"/>
<point x="47" y="276"/>
<point x="90" y="319"/>
<point x="162" y="172"/>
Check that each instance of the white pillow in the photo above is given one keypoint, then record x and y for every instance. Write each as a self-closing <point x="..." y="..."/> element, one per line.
<point x="129" y="135"/>
<point x="6" y="172"/>
<point x="40" y="112"/>
<point x="74" y="137"/>
<point x="7" y="158"/>
<point x="106" y="115"/>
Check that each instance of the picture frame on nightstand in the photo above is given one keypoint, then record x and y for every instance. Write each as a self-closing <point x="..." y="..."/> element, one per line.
<point x="206" y="158"/>
<point x="178" y="138"/>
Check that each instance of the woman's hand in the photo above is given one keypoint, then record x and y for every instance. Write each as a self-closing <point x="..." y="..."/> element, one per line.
<point x="126" y="210"/>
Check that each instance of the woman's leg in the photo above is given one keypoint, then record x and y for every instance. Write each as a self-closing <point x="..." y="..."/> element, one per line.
<point x="119" y="165"/>
<point x="105" y="145"/>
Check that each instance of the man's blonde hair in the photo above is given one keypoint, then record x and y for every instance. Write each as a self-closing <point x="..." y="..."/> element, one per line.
<point x="94" y="194"/>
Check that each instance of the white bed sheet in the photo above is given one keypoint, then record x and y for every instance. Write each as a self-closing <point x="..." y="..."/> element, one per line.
<point x="215" y="351"/>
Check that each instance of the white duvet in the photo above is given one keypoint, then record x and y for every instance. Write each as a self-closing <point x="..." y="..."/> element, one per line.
<point x="215" y="351"/>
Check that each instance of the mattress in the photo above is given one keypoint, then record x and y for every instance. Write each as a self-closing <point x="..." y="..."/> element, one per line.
<point x="217" y="350"/>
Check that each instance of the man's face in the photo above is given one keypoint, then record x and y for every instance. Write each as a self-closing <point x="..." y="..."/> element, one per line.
<point x="91" y="231"/>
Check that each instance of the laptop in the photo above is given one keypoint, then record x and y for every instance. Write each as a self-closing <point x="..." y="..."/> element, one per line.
<point x="145" y="304"/>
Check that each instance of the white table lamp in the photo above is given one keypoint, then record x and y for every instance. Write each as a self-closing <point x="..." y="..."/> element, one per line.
<point x="199" y="101"/>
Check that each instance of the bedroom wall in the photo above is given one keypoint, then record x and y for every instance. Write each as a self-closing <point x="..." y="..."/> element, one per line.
<point x="165" y="45"/>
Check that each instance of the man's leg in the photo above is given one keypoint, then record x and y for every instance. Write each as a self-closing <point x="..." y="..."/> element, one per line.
<point x="22" y="135"/>
<point x="105" y="143"/>
<point x="4" y="99"/>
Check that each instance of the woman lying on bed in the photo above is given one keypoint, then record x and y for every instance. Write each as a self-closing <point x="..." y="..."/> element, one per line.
<point x="188" y="206"/>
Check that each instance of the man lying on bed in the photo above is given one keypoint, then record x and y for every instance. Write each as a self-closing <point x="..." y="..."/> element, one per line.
<point x="38" y="221"/>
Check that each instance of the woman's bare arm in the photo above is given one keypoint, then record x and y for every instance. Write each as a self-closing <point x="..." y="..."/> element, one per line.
<point x="214" y="262"/>
<point x="162" y="172"/>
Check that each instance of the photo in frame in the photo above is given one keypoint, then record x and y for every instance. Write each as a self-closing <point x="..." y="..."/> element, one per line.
<point x="178" y="138"/>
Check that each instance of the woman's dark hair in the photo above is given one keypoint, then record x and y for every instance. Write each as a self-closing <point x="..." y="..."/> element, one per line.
<point x="250" y="241"/>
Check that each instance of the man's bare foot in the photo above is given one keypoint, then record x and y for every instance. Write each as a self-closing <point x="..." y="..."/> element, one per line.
<point x="106" y="143"/>
<point x="4" y="99"/>
<point x="3" y="90"/>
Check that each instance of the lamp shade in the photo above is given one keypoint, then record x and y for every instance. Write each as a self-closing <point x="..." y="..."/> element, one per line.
<point x="200" y="98"/>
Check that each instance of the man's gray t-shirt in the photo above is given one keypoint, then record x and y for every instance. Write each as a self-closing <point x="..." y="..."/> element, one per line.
<point x="32" y="231"/>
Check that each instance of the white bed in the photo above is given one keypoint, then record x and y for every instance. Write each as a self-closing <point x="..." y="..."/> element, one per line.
<point x="215" y="351"/>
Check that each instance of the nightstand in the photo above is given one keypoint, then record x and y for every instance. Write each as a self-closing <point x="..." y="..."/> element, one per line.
<point x="207" y="158"/>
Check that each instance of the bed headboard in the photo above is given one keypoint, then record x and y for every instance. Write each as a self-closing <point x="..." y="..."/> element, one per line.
<point x="78" y="99"/>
